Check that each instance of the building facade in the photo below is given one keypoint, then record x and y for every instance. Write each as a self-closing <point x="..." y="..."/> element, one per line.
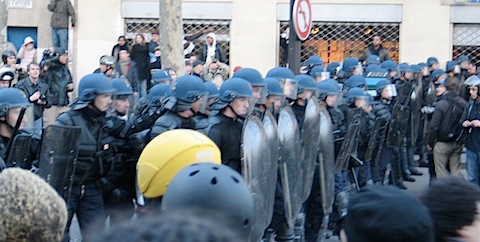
<point x="249" y="30"/>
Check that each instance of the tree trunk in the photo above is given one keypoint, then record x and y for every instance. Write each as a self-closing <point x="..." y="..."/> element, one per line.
<point x="3" y="25"/>
<point x="171" y="35"/>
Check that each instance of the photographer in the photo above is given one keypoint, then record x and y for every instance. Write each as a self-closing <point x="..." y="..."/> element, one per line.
<point x="37" y="93"/>
<point x="60" y="83"/>
<point x="216" y="72"/>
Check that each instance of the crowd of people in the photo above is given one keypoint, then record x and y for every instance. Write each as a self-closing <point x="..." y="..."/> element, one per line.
<point x="144" y="130"/>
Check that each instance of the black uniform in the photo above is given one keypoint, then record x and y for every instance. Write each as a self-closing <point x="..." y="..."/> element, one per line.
<point x="226" y="133"/>
<point x="170" y="121"/>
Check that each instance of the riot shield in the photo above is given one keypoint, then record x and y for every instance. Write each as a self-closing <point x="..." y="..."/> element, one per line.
<point x="398" y="125"/>
<point x="381" y="142"/>
<point x="289" y="165"/>
<point x="20" y="155"/>
<point x="309" y="132"/>
<point x="326" y="157"/>
<point x="374" y="141"/>
<point x="415" y="106"/>
<point x="270" y="126"/>
<point x="57" y="157"/>
<point x="348" y="147"/>
<point x="259" y="174"/>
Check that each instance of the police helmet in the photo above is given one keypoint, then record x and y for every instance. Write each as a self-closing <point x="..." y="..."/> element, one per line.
<point x="7" y="54"/>
<point x="450" y="66"/>
<point x="373" y="59"/>
<point x="356" y="81"/>
<point x="381" y="85"/>
<point x="463" y="58"/>
<point x="251" y="75"/>
<point x="371" y="68"/>
<point x="212" y="90"/>
<point x="6" y="73"/>
<point x="404" y="67"/>
<point x="158" y="94"/>
<point x="121" y="87"/>
<point x="436" y="74"/>
<point x="314" y="60"/>
<point x="188" y="89"/>
<point x="233" y="88"/>
<point x="350" y="64"/>
<point x="415" y="68"/>
<point x="161" y="75"/>
<point x="354" y="94"/>
<point x="332" y="68"/>
<point x="305" y="82"/>
<point x="107" y="60"/>
<point x="327" y="87"/>
<point x="390" y="65"/>
<point x="178" y="148"/>
<point x="273" y="87"/>
<point x="12" y="98"/>
<point x="431" y="61"/>
<point x="280" y="73"/>
<point x="92" y="85"/>
<point x="230" y="90"/>
<point x="317" y="71"/>
<point x="212" y="187"/>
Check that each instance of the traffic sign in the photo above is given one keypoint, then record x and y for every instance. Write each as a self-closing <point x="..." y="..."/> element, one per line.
<point x="302" y="18"/>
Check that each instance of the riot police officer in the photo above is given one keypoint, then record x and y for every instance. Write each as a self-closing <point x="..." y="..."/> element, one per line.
<point x="275" y="96"/>
<point x="117" y="184"/>
<point x="88" y="112"/>
<point x="351" y="66"/>
<point x="225" y="127"/>
<point x="328" y="94"/>
<point x="11" y="101"/>
<point x="259" y="89"/>
<point x="187" y="96"/>
<point x="357" y="101"/>
<point x="382" y="109"/>
<point x="306" y="89"/>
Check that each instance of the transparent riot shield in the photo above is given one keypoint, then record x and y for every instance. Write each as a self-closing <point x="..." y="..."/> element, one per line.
<point x="309" y="136"/>
<point x="288" y="164"/>
<point x="259" y="174"/>
<point x="270" y="126"/>
<point x="57" y="157"/>
<point x="326" y="158"/>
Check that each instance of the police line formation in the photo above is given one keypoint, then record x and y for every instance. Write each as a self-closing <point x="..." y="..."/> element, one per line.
<point x="278" y="155"/>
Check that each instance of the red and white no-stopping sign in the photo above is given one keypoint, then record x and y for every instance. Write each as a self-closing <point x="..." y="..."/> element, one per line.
<point x="302" y="18"/>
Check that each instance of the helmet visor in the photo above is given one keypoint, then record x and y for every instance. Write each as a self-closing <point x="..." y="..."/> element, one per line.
<point x="260" y="94"/>
<point x="290" y="87"/>
<point x="203" y="104"/>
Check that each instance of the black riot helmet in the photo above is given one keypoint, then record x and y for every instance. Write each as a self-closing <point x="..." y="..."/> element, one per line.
<point x="214" y="187"/>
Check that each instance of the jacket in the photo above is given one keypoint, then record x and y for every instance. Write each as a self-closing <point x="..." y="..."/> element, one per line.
<point x="139" y="54"/>
<point x="381" y="52"/>
<point x="57" y="78"/>
<point x="219" y="54"/>
<point x="61" y="10"/>
<point x="27" y="86"/>
<point x="472" y="112"/>
<point x="131" y="76"/>
<point x="226" y="133"/>
<point x="439" y="126"/>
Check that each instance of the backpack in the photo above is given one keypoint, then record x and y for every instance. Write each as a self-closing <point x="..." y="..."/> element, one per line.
<point x="455" y="129"/>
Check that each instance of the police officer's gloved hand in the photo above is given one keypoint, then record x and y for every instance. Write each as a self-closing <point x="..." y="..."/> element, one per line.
<point x="105" y="185"/>
<point x="118" y="194"/>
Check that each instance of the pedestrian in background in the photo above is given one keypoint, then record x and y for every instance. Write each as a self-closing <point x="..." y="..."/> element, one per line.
<point x="62" y="10"/>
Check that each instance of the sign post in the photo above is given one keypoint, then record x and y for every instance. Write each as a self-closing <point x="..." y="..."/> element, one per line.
<point x="301" y="22"/>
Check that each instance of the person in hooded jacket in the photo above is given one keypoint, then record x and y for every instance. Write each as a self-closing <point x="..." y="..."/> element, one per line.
<point x="212" y="50"/>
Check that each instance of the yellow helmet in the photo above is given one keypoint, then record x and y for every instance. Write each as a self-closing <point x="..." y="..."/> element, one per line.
<point x="170" y="152"/>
